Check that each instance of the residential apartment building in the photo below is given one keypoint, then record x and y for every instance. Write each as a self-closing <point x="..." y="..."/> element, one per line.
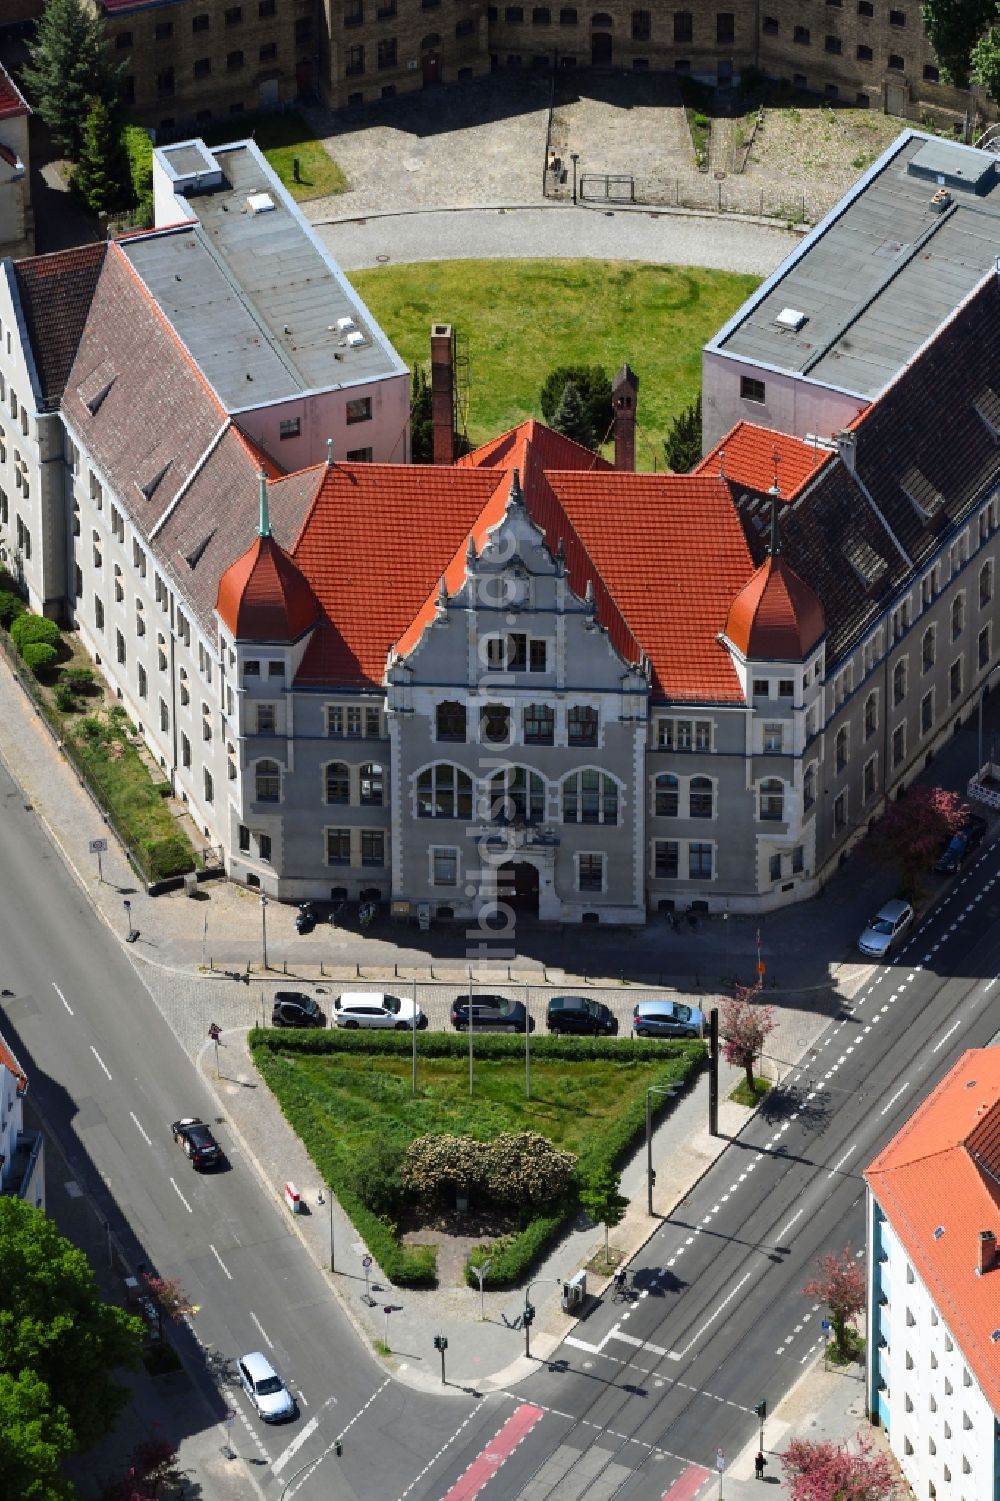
<point x="17" y="235"/>
<point x="934" y="1287"/>
<point x="22" y="1154"/>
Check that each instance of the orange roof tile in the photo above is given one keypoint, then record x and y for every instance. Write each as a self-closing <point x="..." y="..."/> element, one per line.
<point x="938" y="1182"/>
<point x="746" y="455"/>
<point x="776" y="617"/>
<point x="555" y="451"/>
<point x="264" y="597"/>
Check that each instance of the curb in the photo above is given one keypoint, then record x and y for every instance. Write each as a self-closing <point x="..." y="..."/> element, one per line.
<point x="650" y="210"/>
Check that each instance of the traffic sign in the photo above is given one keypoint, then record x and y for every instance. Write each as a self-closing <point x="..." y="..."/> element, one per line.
<point x="214" y="1031"/>
<point x="720" y="1460"/>
<point x="98" y="846"/>
<point x="366" y="1261"/>
<point x="824" y="1324"/>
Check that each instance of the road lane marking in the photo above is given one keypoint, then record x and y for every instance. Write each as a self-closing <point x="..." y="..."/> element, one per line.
<point x="138" y="1127"/>
<point x="262" y="1331"/>
<point x="680" y="1354"/>
<point x="59" y="993"/>
<point x="220" y="1261"/>
<point x="850" y="1152"/>
<point x="785" y="1228"/>
<point x="293" y="1448"/>
<point x="184" y="1201"/>
<point x="953" y="1028"/>
<point x="100" y="1060"/>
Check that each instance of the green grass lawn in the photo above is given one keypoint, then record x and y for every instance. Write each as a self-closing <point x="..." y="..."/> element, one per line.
<point x="341" y="1091"/>
<point x="282" y="137"/>
<point x="517" y="320"/>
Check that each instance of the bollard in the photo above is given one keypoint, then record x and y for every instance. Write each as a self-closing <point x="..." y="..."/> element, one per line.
<point x="358" y="968"/>
<point x="211" y="962"/>
<point x="322" y="971"/>
<point x="395" y="971"/>
<point x="284" y="967"/>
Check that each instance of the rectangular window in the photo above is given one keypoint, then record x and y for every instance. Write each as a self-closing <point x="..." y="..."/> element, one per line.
<point x="538" y="656"/>
<point x="786" y="688"/>
<point x="268" y="52"/>
<point x="202" y="67"/>
<point x="665" y="859"/>
<point x="683" y="26"/>
<point x="833" y="44"/>
<point x="984" y="647"/>
<point x="264" y="847"/>
<point x="897" y="18"/>
<point x="642" y="25"/>
<point x="289" y="427"/>
<point x="354" y="64"/>
<point x="267" y="721"/>
<point x="801" y="35"/>
<point x="761" y="688"/>
<point x="251" y="668"/>
<point x="774" y="735"/>
<point x="866" y="7"/>
<point x="163" y="31"/>
<point x="372" y="847"/>
<point x="769" y="26"/>
<point x="359" y="410"/>
<point x="274" y="669"/>
<point x="774" y="868"/>
<point x="931" y="73"/>
<point x="141" y="675"/>
<point x="582" y="725"/>
<point x="120" y="647"/>
<point x="234" y="15"/>
<point x="591" y="872"/>
<point x="373" y="724"/>
<point x="725" y="27"/>
<point x="899" y="745"/>
<point x="387" y="52"/>
<point x="164" y="716"/>
<point x="244" y="839"/>
<point x="444" y="867"/>
<point x="798" y="860"/>
<point x="896" y="63"/>
<point x="751" y="389"/>
<point x="185" y="751"/>
<point x="354" y="12"/>
<point x="870" y="779"/>
<point x="700" y="862"/>
<point x="338" y="846"/>
<point x="840" y="812"/>
<point x="234" y="62"/>
<point x="955" y="680"/>
<point x="926" y="712"/>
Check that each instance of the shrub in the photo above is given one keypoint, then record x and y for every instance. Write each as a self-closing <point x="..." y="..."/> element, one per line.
<point x="81" y="679"/>
<point x="65" y="702"/>
<point x="38" y="655"/>
<point x="11" y="606"/>
<point x="524" y="1167"/>
<point x="28" y="627"/>
<point x="163" y="858"/>
<point x="376" y="1176"/>
<point x="92" y="731"/>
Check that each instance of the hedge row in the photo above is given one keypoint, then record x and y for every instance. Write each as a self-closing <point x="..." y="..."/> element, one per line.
<point x="511" y="1258"/>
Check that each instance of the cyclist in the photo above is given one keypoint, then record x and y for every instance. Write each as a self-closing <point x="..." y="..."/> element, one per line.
<point x="621" y="1278"/>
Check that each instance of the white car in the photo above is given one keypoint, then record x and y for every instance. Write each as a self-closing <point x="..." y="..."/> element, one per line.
<point x="265" y="1388"/>
<point x="885" y="929"/>
<point x="375" y="1008"/>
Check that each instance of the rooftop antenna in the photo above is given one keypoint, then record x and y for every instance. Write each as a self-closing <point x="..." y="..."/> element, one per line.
<point x="264" y="524"/>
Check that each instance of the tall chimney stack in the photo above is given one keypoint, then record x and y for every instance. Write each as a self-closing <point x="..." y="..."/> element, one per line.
<point x="987" y="1251"/>
<point x="624" y="396"/>
<point x="443" y="391"/>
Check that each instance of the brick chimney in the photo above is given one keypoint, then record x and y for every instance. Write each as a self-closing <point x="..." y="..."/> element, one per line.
<point x="624" y="396"/>
<point x="987" y="1251"/>
<point x="443" y="391"/>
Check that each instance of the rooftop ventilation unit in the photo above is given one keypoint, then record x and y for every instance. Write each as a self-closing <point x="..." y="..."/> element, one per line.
<point x="260" y="203"/>
<point x="355" y="340"/>
<point x="346" y="325"/>
<point x="791" y="318"/>
<point x="939" y="1232"/>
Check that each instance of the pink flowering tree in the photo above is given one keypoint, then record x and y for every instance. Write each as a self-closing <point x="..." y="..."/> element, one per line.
<point x="168" y="1298"/>
<point x="829" y="1472"/>
<point x="745" y="1026"/>
<point x="841" y="1286"/>
<point x="912" y="830"/>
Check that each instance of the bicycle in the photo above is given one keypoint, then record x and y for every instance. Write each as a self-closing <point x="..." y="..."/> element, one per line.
<point x="622" y="1292"/>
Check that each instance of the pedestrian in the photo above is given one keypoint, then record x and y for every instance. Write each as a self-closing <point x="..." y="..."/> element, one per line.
<point x="758" y="1465"/>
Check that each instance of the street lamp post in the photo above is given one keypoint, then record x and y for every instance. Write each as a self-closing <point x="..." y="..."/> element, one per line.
<point x="263" y="925"/>
<point x="131" y="935"/>
<point x="574" y="157"/>
<point x="650" y="1174"/>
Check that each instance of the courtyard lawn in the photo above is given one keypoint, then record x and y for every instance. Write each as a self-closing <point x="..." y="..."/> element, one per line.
<point x="344" y="1092"/>
<point x="517" y="320"/>
<point x="282" y="136"/>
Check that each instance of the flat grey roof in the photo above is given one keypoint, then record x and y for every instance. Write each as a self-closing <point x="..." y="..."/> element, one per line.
<point x="883" y="273"/>
<point x="253" y="296"/>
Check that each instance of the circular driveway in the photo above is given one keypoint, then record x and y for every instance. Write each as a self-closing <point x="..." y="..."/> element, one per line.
<point x="548" y="232"/>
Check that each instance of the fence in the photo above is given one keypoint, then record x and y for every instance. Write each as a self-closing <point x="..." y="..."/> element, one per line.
<point x="696" y="190"/>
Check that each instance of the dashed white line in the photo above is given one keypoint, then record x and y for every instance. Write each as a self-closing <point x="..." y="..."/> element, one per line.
<point x="838" y="1165"/>
<point x="261" y="1330"/>
<point x="220" y="1261"/>
<point x="100" y="1060"/>
<point x="141" y="1132"/>
<point x="59" y="993"/>
<point x="941" y="1041"/>
<point x="785" y="1228"/>
<point x="184" y="1201"/>
<point x="680" y="1354"/>
<point x="896" y="1096"/>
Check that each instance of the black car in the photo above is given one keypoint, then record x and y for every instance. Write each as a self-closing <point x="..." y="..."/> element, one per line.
<point x="198" y="1142"/>
<point x="490" y="1011"/>
<point x="580" y="1015"/>
<point x="293" y="1009"/>
<point x="961" y="844"/>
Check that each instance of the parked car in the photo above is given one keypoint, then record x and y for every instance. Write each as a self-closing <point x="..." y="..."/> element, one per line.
<point x="667" y="1019"/>
<point x="294" y="1009"/>
<point x="197" y="1141"/>
<point x="961" y="844"/>
<point x="265" y="1388"/>
<point x="885" y="929"/>
<point x="580" y="1015"/>
<point x="490" y="1011"/>
<point x="375" y="1008"/>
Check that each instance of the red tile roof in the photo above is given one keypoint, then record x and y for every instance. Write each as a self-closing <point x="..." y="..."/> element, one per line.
<point x="260" y="456"/>
<point x="12" y="101"/>
<point x="263" y="596"/>
<point x="746" y="457"/>
<point x="776" y="617"/>
<point x="553" y="450"/>
<point x="938" y="1182"/>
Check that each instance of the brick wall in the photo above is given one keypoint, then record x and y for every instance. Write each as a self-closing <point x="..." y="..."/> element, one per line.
<point x="375" y="48"/>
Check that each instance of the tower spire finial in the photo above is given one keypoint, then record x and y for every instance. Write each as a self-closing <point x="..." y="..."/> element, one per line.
<point x="774" y="546"/>
<point x="264" y="524"/>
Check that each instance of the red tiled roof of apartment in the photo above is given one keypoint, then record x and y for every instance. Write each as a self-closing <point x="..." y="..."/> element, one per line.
<point x="12" y="101"/>
<point x="56" y="293"/>
<point x="746" y="455"/>
<point x="938" y="1182"/>
<point x="263" y="596"/>
<point x="776" y="616"/>
<point x="671" y="551"/>
<point x="9" y="1061"/>
<point x="555" y="451"/>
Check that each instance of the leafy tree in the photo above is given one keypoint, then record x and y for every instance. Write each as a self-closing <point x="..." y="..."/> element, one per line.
<point x="913" y="828"/>
<point x="985" y="61"/>
<point x="38" y="655"/>
<point x="152" y="1468"/>
<point x="11" y="606"/>
<point x="745" y="1027"/>
<point x="168" y="1298"/>
<point x="375" y="1174"/>
<point x="823" y="1471"/>
<point x="28" y="627"/>
<point x="34" y="1438"/>
<point x="71" y="64"/>
<point x="841" y="1286"/>
<point x="570" y="418"/>
<point x="953" y="27"/>
<point x="54" y="1326"/>
<point x="594" y="385"/>
<point x="103" y="177"/>
<point x="602" y="1200"/>
<point x="682" y="445"/>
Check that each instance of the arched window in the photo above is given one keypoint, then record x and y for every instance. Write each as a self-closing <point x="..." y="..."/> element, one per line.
<point x="590" y="797"/>
<point x="957" y="616"/>
<point x="539" y="724"/>
<point x="665" y="795"/>
<point x="871" y="715"/>
<point x="517" y="795"/>
<point x="701" y="797"/>
<point x="772" y="798"/>
<point x="601" y="21"/>
<point x="809" y="787"/>
<point x="231" y="760"/>
<point x="444" y="791"/>
<point x="840" y="749"/>
<point x="899" y="682"/>
<point x="338" y="782"/>
<point x="430" y="41"/>
<point x="451" y="721"/>
<point x="268" y="778"/>
<point x="371" y="784"/>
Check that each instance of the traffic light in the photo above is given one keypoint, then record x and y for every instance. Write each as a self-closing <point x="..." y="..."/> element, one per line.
<point x="338" y="1448"/>
<point x="529" y="1315"/>
<point x="761" y="1410"/>
<point x="440" y="1342"/>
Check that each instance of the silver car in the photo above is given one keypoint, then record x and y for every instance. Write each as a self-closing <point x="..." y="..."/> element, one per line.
<point x="375" y="1008"/>
<point x="265" y="1388"/>
<point x="885" y="929"/>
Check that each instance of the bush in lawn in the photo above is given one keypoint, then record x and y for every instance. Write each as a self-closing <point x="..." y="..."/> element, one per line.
<point x="525" y="1168"/>
<point x="80" y="679"/>
<point x="375" y="1175"/>
<point x="92" y="731"/>
<point x="65" y="702"/>
<point x="38" y="655"/>
<point x="28" y="627"/>
<point x="436" y="1167"/>
<point x="163" y="858"/>
<point x="11" y="606"/>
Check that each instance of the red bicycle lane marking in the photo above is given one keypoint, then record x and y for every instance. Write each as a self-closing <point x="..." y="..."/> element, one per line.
<point x="689" y="1484"/>
<point x="501" y="1447"/>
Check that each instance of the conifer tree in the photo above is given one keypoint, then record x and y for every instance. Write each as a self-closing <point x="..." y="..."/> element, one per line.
<point x="70" y="65"/>
<point x="103" y="177"/>
<point x="570" y="417"/>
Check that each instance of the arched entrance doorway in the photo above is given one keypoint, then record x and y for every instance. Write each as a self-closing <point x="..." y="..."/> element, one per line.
<point x="430" y="59"/>
<point x="517" y="885"/>
<point x="601" y="41"/>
